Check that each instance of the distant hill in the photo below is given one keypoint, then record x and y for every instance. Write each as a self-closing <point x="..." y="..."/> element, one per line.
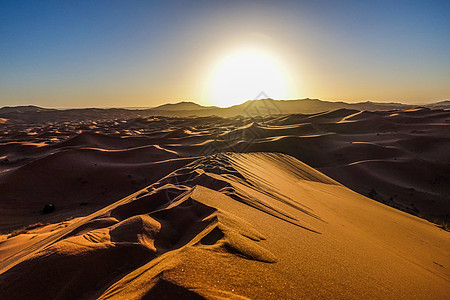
<point x="260" y="107"/>
<point x="311" y="106"/>
<point x="22" y="109"/>
<point x="251" y="108"/>
<point x="441" y="104"/>
<point x="181" y="106"/>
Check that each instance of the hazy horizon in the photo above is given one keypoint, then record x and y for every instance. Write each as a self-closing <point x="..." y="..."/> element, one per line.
<point x="207" y="105"/>
<point x="145" y="54"/>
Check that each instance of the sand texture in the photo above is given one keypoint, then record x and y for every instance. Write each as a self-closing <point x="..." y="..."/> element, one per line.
<point x="400" y="158"/>
<point x="227" y="208"/>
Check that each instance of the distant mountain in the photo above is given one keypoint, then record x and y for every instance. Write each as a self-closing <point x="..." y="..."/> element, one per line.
<point x="181" y="106"/>
<point x="251" y="108"/>
<point x="441" y="104"/>
<point x="260" y="107"/>
<point x="22" y="109"/>
<point x="312" y="106"/>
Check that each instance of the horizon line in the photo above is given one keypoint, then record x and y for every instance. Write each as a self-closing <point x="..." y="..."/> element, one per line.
<point x="220" y="107"/>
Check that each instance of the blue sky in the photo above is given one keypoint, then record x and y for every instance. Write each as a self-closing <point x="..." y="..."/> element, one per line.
<point x="145" y="53"/>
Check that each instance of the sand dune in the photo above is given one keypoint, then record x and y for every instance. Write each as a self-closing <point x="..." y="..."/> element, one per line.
<point x="113" y="158"/>
<point x="76" y="177"/>
<point x="257" y="225"/>
<point x="212" y="207"/>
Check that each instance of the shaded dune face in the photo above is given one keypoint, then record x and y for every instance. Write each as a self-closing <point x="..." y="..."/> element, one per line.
<point x="171" y="217"/>
<point x="235" y="226"/>
<point x="76" y="177"/>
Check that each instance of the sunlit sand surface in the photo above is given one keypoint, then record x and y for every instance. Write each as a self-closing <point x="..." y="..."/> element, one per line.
<point x="286" y="206"/>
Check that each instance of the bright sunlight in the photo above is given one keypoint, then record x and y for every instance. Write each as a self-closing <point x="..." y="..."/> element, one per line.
<point x="243" y="74"/>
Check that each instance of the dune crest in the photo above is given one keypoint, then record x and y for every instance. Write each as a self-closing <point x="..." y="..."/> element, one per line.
<point x="240" y="226"/>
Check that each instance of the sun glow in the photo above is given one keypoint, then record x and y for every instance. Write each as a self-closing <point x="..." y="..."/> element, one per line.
<point x="245" y="73"/>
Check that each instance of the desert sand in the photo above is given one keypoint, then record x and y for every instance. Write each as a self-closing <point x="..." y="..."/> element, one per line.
<point x="284" y="206"/>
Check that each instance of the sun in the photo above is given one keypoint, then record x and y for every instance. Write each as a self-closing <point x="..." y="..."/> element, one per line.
<point x="243" y="74"/>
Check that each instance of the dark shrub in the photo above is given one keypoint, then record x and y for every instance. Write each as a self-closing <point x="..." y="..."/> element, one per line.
<point x="48" y="208"/>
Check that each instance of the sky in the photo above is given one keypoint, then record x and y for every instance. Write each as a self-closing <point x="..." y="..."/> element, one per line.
<point x="145" y="53"/>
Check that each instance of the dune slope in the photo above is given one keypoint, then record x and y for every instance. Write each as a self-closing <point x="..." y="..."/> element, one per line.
<point x="239" y="226"/>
